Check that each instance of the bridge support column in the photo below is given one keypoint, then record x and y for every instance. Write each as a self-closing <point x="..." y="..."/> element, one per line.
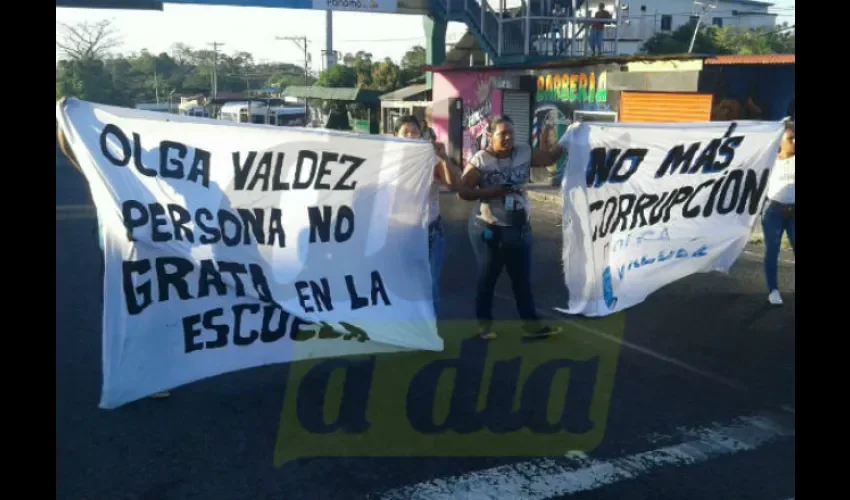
<point x="435" y="44"/>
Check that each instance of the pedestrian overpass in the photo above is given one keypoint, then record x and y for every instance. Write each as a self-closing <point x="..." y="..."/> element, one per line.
<point x="509" y="31"/>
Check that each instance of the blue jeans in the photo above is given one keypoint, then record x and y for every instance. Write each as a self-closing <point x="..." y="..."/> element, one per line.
<point x="436" y="254"/>
<point x="776" y="219"/>
<point x="496" y="247"/>
<point x="596" y="39"/>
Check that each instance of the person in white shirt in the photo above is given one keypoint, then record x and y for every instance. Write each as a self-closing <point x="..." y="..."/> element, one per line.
<point x="446" y="173"/>
<point x="778" y="213"/>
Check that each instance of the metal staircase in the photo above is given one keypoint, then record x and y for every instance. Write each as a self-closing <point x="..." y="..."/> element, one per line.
<point x="529" y="34"/>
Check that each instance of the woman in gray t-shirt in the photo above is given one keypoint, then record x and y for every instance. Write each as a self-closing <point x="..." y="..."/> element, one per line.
<point x="499" y="226"/>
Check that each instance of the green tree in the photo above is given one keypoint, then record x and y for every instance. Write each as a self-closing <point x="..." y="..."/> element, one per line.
<point x="90" y="69"/>
<point x="677" y="42"/>
<point x="360" y="71"/>
<point x="87" y="79"/>
<point x="727" y="40"/>
<point x="412" y="60"/>
<point x="339" y="76"/>
<point x="386" y="76"/>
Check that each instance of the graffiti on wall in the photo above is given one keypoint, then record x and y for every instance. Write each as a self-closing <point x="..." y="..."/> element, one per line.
<point x="480" y="102"/>
<point x="558" y="96"/>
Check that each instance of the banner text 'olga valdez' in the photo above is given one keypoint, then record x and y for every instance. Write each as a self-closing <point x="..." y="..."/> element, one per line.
<point x="253" y="171"/>
<point x="731" y="191"/>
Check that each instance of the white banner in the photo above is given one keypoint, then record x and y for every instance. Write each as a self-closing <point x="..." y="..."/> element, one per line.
<point x="648" y="204"/>
<point x="227" y="244"/>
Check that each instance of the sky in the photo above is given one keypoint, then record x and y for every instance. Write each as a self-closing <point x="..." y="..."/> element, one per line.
<point x="253" y="29"/>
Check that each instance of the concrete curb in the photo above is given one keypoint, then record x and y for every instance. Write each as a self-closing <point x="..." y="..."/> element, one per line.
<point x="552" y="195"/>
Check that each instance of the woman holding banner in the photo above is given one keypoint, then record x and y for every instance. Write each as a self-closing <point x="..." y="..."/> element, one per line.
<point x="778" y="213"/>
<point x="446" y="173"/>
<point x="500" y="225"/>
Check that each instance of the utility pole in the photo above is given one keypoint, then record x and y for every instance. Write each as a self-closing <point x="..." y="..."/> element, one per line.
<point x="330" y="57"/>
<point x="301" y="42"/>
<point x="215" y="46"/>
<point x="699" y="10"/>
<point x="155" y="86"/>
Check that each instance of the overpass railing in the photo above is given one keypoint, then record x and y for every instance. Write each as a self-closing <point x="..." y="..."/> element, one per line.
<point x="519" y="32"/>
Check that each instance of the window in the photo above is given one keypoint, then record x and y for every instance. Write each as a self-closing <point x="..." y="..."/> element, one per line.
<point x="717" y="21"/>
<point x="666" y="22"/>
<point x="258" y="119"/>
<point x="694" y="19"/>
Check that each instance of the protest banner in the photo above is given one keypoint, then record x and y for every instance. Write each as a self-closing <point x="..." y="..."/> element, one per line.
<point x="229" y="246"/>
<point x="648" y="204"/>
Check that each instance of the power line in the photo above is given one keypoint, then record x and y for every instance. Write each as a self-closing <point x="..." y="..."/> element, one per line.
<point x="302" y="43"/>
<point x="777" y="31"/>
<point x="384" y="40"/>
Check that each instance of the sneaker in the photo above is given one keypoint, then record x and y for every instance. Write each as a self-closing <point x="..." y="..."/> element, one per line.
<point x="486" y="335"/>
<point x="774" y="298"/>
<point x="484" y="330"/>
<point x="542" y="333"/>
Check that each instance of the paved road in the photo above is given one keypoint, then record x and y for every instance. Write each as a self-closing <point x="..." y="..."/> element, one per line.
<point x="697" y="361"/>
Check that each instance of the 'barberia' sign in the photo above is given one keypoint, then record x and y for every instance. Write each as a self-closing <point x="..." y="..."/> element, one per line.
<point x="585" y="86"/>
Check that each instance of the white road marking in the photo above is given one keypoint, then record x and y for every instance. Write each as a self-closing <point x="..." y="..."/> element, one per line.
<point x="760" y="256"/>
<point x="75" y="212"/>
<point x="545" y="479"/>
<point x="732" y="384"/>
<point x="660" y="357"/>
<point x="74" y="208"/>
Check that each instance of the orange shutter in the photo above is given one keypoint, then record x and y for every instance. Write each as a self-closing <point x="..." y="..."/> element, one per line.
<point x="665" y="107"/>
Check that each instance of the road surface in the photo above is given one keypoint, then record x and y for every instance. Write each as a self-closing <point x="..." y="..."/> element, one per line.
<point x="702" y="406"/>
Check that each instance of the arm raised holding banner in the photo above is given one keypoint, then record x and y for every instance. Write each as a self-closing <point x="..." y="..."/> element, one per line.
<point x="446" y="171"/>
<point x="512" y="163"/>
<point x="540" y="158"/>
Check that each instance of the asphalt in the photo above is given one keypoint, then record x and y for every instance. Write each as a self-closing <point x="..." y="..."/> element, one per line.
<point x="703" y="350"/>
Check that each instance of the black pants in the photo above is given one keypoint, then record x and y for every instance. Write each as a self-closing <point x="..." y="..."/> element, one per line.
<point x="496" y="247"/>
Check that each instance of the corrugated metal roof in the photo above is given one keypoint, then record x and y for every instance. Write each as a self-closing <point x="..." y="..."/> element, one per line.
<point x="753" y="59"/>
<point x="332" y="94"/>
<point x="405" y="92"/>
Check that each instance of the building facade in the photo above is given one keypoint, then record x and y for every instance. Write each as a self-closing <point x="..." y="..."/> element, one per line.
<point x="544" y="100"/>
<point x="641" y="19"/>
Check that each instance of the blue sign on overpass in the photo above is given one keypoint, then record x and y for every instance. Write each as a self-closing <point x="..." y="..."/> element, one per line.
<point x="390" y="6"/>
